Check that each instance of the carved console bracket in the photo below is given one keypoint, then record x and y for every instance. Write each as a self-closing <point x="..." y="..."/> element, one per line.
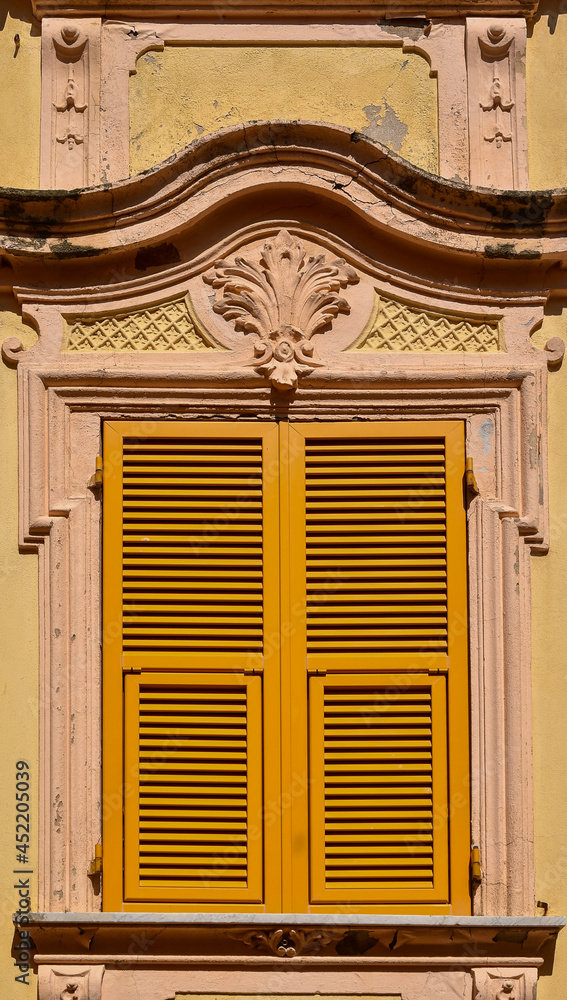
<point x="496" y="63"/>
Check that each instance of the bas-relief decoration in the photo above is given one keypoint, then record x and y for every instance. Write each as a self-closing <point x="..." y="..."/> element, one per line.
<point x="70" y="982"/>
<point x="284" y="298"/>
<point x="402" y="326"/>
<point x="504" y="984"/>
<point x="70" y="103"/>
<point x="496" y="61"/>
<point x="289" y="943"/>
<point x="171" y="326"/>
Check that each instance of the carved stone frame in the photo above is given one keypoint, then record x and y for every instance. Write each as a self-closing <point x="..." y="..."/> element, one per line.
<point x="64" y="398"/>
<point x="60" y="518"/>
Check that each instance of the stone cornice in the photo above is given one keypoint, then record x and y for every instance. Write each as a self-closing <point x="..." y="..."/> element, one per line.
<point x="292" y="10"/>
<point x="292" y="938"/>
<point x="351" y="174"/>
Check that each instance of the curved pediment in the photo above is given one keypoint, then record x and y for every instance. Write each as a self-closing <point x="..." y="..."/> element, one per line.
<point x="195" y="234"/>
<point x="332" y="163"/>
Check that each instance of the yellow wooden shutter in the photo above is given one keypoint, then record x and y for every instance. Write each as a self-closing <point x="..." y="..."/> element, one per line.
<point x="285" y="667"/>
<point x="191" y="665"/>
<point x="378" y="596"/>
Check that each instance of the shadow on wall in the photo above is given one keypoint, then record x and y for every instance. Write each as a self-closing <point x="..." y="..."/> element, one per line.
<point x="19" y="10"/>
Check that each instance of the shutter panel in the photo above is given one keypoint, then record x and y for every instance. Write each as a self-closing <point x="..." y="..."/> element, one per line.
<point x="379" y="778"/>
<point x="193" y="545"/>
<point x="378" y="579"/>
<point x="193" y="760"/>
<point x="376" y="556"/>
<point x="191" y="668"/>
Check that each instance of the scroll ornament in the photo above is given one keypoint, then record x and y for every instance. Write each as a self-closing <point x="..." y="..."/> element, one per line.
<point x="288" y="943"/>
<point x="283" y="299"/>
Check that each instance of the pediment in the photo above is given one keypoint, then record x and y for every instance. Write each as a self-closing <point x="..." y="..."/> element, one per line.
<point x="368" y="263"/>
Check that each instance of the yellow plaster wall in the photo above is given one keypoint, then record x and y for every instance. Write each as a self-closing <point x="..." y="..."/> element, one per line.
<point x="20" y="95"/>
<point x="546" y="69"/>
<point x="549" y="665"/>
<point x="184" y="92"/>
<point x="18" y="669"/>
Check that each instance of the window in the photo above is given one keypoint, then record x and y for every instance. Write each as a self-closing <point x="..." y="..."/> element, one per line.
<point x="285" y="701"/>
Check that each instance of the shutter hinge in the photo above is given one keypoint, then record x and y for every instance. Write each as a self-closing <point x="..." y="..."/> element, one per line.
<point x="95" y="482"/>
<point x="470" y="479"/>
<point x="317" y="671"/>
<point x="476" y="870"/>
<point x="96" y="863"/>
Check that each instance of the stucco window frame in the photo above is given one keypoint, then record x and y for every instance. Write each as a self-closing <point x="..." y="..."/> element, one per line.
<point x="63" y="399"/>
<point x="70" y="586"/>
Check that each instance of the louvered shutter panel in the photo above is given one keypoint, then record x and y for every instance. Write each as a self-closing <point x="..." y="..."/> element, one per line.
<point x="379" y="781"/>
<point x="193" y="761"/>
<point x="190" y="665"/>
<point x="378" y="550"/>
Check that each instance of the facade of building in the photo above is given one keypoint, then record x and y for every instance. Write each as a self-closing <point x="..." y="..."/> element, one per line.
<point x="284" y="538"/>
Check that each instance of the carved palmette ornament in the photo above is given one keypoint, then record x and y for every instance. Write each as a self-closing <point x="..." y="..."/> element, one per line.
<point x="288" y="943"/>
<point x="284" y="298"/>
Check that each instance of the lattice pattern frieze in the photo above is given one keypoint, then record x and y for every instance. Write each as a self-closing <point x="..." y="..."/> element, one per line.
<point x="401" y="326"/>
<point x="170" y="326"/>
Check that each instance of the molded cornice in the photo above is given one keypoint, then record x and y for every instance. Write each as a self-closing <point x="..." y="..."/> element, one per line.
<point x="291" y="10"/>
<point x="339" y="169"/>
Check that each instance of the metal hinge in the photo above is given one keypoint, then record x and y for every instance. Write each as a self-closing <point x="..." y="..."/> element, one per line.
<point x="96" y="863"/>
<point x="95" y="482"/>
<point x="476" y="870"/>
<point x="470" y="479"/>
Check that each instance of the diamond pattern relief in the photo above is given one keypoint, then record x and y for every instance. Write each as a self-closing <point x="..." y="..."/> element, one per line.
<point x="166" y="327"/>
<point x="399" y="326"/>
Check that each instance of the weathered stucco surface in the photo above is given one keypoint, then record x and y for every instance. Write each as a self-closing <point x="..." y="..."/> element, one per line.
<point x="185" y="92"/>
<point x="20" y="83"/>
<point x="549" y="666"/>
<point x="547" y="97"/>
<point x="19" y="676"/>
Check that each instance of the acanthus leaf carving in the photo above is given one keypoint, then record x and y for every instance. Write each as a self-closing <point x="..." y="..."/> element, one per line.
<point x="284" y="299"/>
<point x="288" y="943"/>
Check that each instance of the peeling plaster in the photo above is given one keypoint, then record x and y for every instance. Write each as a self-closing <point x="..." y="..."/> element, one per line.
<point x="385" y="126"/>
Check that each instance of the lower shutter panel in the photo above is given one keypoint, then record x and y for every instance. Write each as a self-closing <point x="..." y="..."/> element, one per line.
<point x="378" y="779"/>
<point x="193" y="763"/>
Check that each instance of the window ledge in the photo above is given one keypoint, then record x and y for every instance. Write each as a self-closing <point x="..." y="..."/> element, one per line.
<point x="98" y="956"/>
<point x="304" y="937"/>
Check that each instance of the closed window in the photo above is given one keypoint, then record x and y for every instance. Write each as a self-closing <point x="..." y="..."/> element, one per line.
<point x="285" y="667"/>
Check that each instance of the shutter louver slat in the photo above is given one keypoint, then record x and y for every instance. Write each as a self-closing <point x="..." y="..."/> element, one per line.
<point x="193" y="574"/>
